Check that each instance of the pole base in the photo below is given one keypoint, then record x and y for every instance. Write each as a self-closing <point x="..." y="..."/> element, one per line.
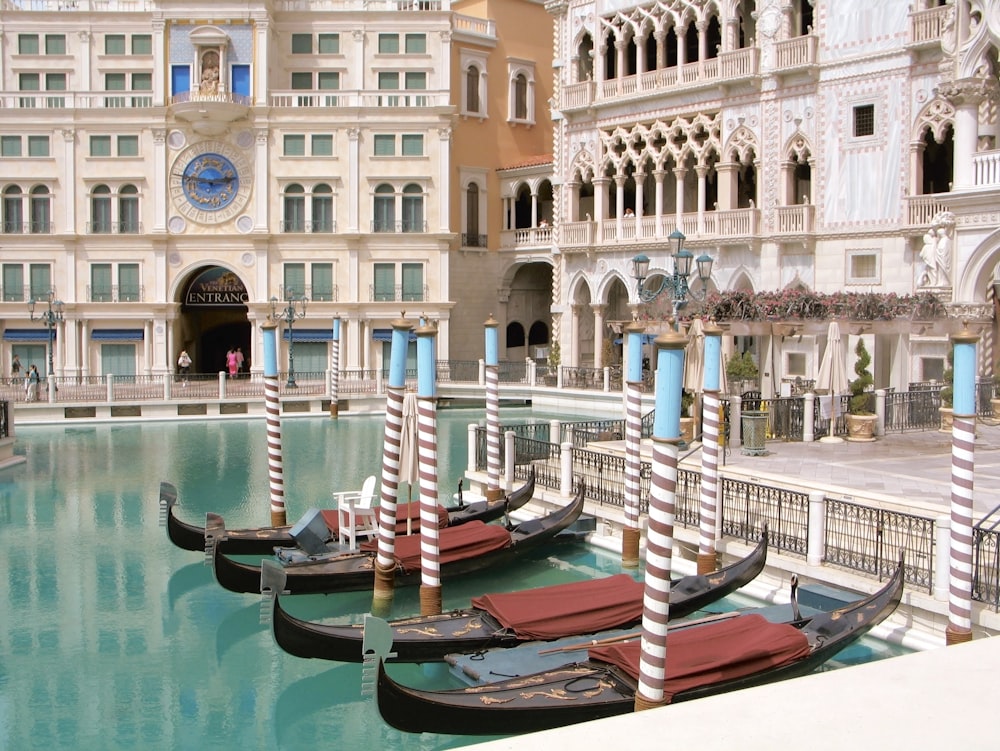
<point x="278" y="518"/>
<point x="385" y="588"/>
<point x="493" y="494"/>
<point x="630" y="547"/>
<point x="953" y="635"/>
<point x="708" y="562"/>
<point x="430" y="600"/>
<point x="641" y="703"/>
<point x="334" y="410"/>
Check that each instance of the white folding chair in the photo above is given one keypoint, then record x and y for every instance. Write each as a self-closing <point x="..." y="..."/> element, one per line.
<point x="356" y="514"/>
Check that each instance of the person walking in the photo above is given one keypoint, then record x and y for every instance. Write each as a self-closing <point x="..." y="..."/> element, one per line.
<point x="239" y="360"/>
<point x="184" y="366"/>
<point x="231" y="362"/>
<point x="31" y="384"/>
<point x="15" y="369"/>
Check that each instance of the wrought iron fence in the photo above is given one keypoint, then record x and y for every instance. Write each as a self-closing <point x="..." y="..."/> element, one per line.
<point x="912" y="410"/>
<point x="986" y="560"/>
<point x="868" y="539"/>
<point x="747" y="506"/>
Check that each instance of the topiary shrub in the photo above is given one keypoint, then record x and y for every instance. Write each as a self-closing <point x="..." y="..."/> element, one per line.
<point x="860" y="386"/>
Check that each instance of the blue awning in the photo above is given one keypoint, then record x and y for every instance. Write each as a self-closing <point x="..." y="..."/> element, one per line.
<point x="117" y="335"/>
<point x="310" y="335"/>
<point x="27" y="335"/>
<point x="385" y="335"/>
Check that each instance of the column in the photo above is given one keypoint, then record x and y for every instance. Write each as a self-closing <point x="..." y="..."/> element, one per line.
<point x="161" y="184"/>
<point x="261" y="66"/>
<point x="444" y="180"/>
<point x="658" y="176"/>
<point x="639" y="178"/>
<point x="69" y="159"/>
<point x="574" y="343"/>
<point x="598" y="334"/>
<point x="727" y="173"/>
<point x="701" y="170"/>
<point x="679" y="174"/>
<point x="260" y="194"/>
<point x="354" y="179"/>
<point x="161" y="93"/>
<point x="965" y="95"/>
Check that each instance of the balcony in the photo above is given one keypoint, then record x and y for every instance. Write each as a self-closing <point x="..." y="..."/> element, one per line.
<point x="986" y="168"/>
<point x="473" y="240"/>
<point x="397" y="293"/>
<point x="210" y="114"/>
<point x="796" y="55"/>
<point x="85" y="100"/>
<point x="795" y="220"/>
<point x="27" y="228"/>
<point x="300" y="226"/>
<point x="332" y="99"/>
<point x="116" y="293"/>
<point x="920" y="210"/>
<point x="729" y="68"/>
<point x="926" y="27"/>
<point x="526" y="238"/>
<point x="114" y="228"/>
<point x="82" y="6"/>
<point x="326" y="293"/>
<point x="405" y="226"/>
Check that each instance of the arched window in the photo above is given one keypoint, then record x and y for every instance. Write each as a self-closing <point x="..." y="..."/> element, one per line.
<point x="100" y="210"/>
<point x="41" y="210"/>
<point x="294" y="203"/>
<point x="384" y="209"/>
<point x="128" y="210"/>
<point x="13" y="206"/>
<point x="322" y="208"/>
<point x="413" y="208"/>
<point x="472" y="239"/>
<point x="515" y="335"/>
<point x="521" y="97"/>
<point x="472" y="102"/>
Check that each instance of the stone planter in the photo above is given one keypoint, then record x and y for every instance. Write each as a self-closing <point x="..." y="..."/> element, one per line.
<point x="687" y="429"/>
<point x="861" y="428"/>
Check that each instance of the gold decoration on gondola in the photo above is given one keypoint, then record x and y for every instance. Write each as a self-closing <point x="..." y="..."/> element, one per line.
<point x="430" y="631"/>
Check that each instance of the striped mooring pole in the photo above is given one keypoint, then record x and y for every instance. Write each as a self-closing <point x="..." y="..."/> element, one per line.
<point x="385" y="559"/>
<point x="493" y="491"/>
<point x="963" y="442"/>
<point x="662" y="506"/>
<point x="633" y="439"/>
<point x="272" y="411"/>
<point x="709" y="515"/>
<point x="335" y="370"/>
<point x="427" y="461"/>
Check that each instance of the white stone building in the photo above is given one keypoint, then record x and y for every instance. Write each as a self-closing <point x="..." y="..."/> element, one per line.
<point x="801" y="144"/>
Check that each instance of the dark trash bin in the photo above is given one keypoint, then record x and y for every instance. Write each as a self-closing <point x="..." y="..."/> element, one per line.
<point x="754" y="432"/>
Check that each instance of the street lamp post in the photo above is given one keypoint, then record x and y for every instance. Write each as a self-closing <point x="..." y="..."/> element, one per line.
<point x="675" y="284"/>
<point x="50" y="318"/>
<point x="295" y="307"/>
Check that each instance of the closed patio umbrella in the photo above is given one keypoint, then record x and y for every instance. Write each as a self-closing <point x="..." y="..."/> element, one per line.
<point x="408" y="471"/>
<point x="832" y="375"/>
<point x="694" y="369"/>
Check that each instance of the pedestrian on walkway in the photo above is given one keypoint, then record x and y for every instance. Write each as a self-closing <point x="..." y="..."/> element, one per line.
<point x="15" y="369"/>
<point x="184" y="365"/>
<point x="31" y="384"/>
<point x="239" y="361"/>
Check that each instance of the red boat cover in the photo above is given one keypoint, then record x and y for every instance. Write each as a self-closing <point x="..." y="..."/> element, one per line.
<point x="582" y="607"/>
<point x="715" y="652"/>
<point x="403" y="510"/>
<point x="455" y="543"/>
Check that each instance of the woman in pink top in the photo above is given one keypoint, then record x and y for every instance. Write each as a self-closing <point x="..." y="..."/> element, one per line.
<point x="232" y="363"/>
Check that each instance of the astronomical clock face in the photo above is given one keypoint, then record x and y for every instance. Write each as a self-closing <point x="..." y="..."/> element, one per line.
<point x="210" y="182"/>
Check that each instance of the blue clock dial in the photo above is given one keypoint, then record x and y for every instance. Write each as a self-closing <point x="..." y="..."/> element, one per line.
<point x="210" y="181"/>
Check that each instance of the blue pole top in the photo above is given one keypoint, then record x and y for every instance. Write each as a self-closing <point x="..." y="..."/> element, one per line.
<point x="336" y="329"/>
<point x="401" y="329"/>
<point x="669" y="380"/>
<point x="713" y="356"/>
<point x="964" y="383"/>
<point x="270" y="350"/>
<point x="492" y="341"/>
<point x="426" y="365"/>
<point x="633" y="341"/>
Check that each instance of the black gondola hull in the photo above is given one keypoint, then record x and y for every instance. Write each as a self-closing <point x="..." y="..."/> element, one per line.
<point x="355" y="572"/>
<point x="430" y="638"/>
<point x="588" y="690"/>
<point x="262" y="540"/>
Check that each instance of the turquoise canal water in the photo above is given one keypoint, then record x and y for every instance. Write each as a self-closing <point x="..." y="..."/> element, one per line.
<point x="112" y="638"/>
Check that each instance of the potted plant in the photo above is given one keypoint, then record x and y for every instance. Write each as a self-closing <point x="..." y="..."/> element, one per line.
<point x="741" y="371"/>
<point x="860" y="417"/>
<point x="552" y="377"/>
<point x="687" y="420"/>
<point x="947" y="394"/>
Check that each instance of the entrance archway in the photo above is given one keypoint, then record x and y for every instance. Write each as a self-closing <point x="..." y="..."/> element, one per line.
<point x="213" y="319"/>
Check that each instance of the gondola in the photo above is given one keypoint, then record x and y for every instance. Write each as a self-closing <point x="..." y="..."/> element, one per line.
<point x="506" y="620"/>
<point x="262" y="540"/>
<point x="473" y="546"/>
<point x="713" y="658"/>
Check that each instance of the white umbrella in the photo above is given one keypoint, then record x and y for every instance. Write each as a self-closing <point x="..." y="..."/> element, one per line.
<point x="408" y="469"/>
<point x="694" y="368"/>
<point x="832" y="375"/>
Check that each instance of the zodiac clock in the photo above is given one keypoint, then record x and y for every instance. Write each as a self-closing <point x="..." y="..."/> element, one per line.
<point x="210" y="182"/>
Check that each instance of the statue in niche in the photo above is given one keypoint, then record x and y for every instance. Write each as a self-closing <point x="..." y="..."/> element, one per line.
<point x="210" y="73"/>
<point x="937" y="251"/>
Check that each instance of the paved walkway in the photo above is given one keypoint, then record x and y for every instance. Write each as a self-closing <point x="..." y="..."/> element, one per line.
<point x="908" y="468"/>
